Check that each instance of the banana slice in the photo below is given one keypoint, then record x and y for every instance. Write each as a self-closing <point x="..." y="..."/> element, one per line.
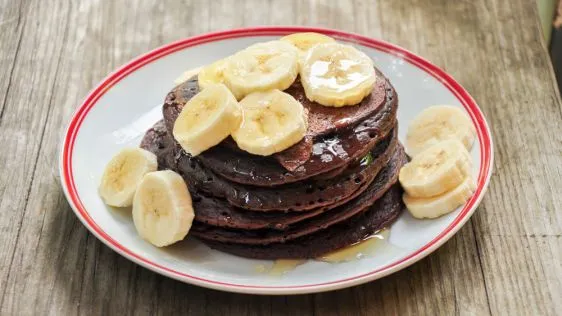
<point x="262" y="67"/>
<point x="123" y="173"/>
<point x="436" y="170"/>
<point x="162" y="208"/>
<point x="442" y="204"/>
<point x="438" y="123"/>
<point x="187" y="75"/>
<point x="212" y="74"/>
<point x="206" y="119"/>
<point x="304" y="41"/>
<point x="273" y="122"/>
<point x="334" y="74"/>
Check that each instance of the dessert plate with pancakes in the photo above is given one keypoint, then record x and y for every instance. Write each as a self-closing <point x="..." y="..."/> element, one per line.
<point x="276" y="160"/>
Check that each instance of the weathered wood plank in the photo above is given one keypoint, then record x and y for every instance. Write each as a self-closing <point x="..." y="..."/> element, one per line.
<point x="12" y="19"/>
<point x="505" y="261"/>
<point x="495" y="50"/>
<point x="524" y="200"/>
<point x="31" y="68"/>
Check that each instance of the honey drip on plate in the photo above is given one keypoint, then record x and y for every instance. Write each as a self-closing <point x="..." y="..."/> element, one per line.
<point x="368" y="247"/>
<point x="279" y="267"/>
<point x="365" y="248"/>
<point x="282" y="266"/>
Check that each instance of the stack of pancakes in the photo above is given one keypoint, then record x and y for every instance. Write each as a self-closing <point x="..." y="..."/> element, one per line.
<point x="334" y="188"/>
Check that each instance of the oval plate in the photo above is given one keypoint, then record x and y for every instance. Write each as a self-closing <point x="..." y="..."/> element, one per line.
<point x="126" y="103"/>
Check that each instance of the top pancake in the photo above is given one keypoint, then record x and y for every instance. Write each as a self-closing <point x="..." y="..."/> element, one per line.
<point x="310" y="156"/>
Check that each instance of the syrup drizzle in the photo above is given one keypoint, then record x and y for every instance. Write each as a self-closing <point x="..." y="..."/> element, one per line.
<point x="280" y="266"/>
<point x="365" y="248"/>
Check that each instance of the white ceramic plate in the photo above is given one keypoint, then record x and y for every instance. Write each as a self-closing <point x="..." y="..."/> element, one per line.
<point x="125" y="104"/>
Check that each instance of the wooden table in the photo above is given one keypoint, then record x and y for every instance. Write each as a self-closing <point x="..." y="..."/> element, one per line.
<point x="506" y="260"/>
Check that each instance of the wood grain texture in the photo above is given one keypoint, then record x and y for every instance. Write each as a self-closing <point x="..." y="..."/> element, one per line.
<point x="506" y="260"/>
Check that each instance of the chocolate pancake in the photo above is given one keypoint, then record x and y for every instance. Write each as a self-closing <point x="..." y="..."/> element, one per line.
<point x="218" y="212"/>
<point x="320" y="145"/>
<point x="215" y="211"/>
<point x="385" y="211"/>
<point x="384" y="180"/>
<point x="156" y="140"/>
<point x="302" y="196"/>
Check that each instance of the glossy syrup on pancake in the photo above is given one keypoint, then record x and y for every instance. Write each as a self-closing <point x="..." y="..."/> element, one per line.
<point x="218" y="212"/>
<point x="382" y="214"/>
<point x="384" y="180"/>
<point x="332" y="189"/>
<point x="212" y="210"/>
<point x="320" y="151"/>
<point x="300" y="196"/>
<point x="156" y="140"/>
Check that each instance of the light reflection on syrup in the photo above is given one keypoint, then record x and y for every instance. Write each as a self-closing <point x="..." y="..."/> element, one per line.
<point x="368" y="247"/>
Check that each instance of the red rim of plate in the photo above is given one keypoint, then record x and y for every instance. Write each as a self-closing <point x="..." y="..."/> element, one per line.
<point x="484" y="138"/>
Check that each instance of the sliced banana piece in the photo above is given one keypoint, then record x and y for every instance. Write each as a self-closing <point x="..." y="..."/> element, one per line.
<point x="162" y="208"/>
<point x="187" y="75"/>
<point x="438" y="123"/>
<point x="212" y="74"/>
<point x="436" y="170"/>
<point x="334" y="74"/>
<point x="123" y="173"/>
<point x="207" y="119"/>
<point x="262" y="67"/>
<point x="436" y="206"/>
<point x="304" y="41"/>
<point x="273" y="122"/>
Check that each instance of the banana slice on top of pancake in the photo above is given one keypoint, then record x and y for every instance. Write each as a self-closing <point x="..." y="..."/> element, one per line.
<point x="335" y="74"/>
<point x="273" y="121"/>
<point x="187" y="75"/>
<point x="262" y="67"/>
<point x="207" y="119"/>
<point x="305" y="40"/>
<point x="212" y="74"/>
